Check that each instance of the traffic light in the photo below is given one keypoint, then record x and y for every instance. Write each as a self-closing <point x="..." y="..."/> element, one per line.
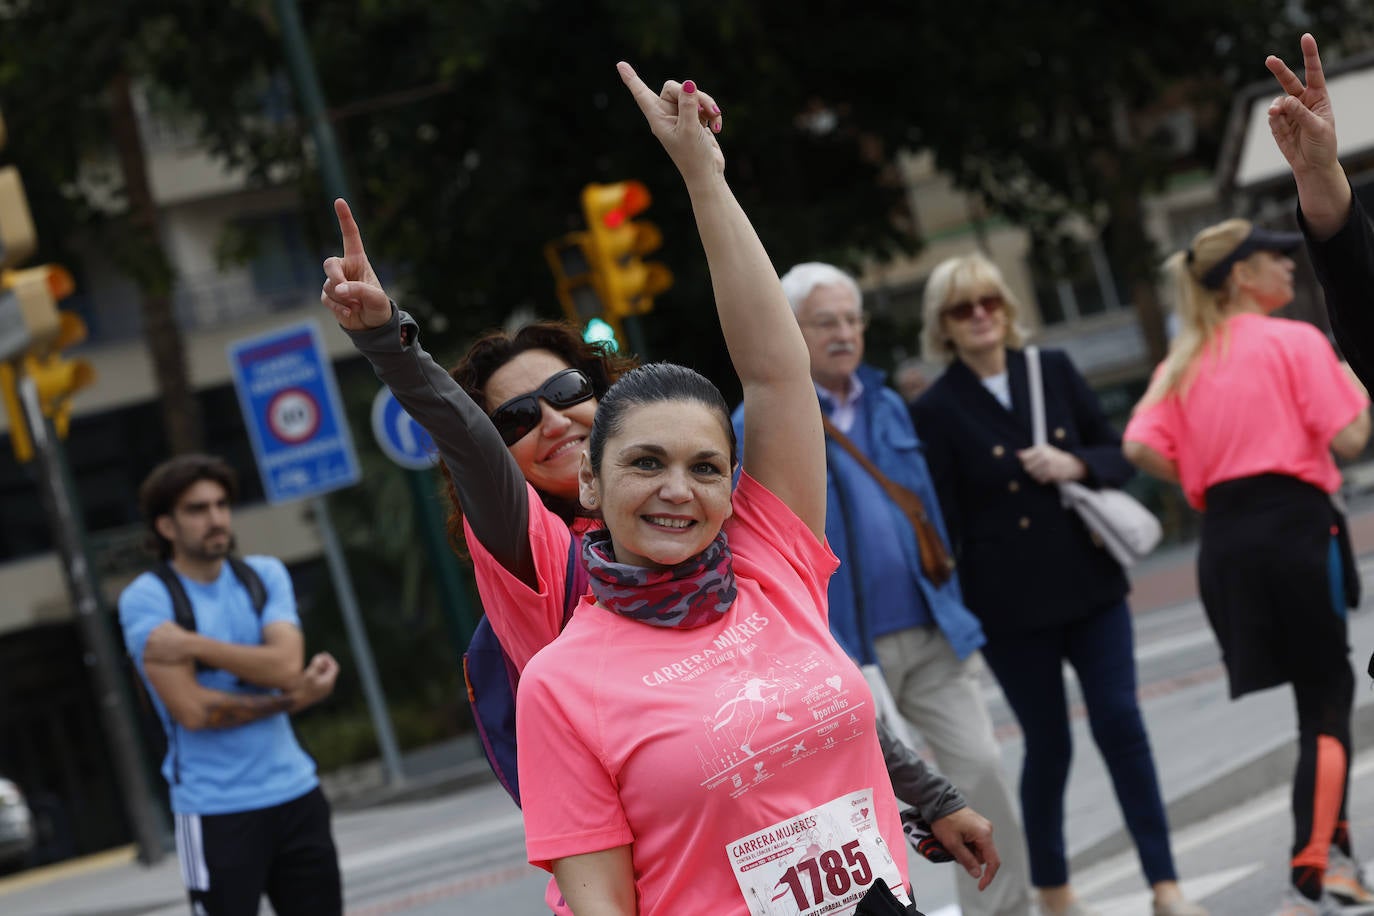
<point x="33" y="332"/>
<point x="614" y="246"/>
<point x="34" y="294"/>
<point x="575" y="283"/>
<point x="572" y="272"/>
<point x="599" y="331"/>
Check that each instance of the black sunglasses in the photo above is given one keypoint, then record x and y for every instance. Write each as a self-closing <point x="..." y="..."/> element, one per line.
<point x="515" y="418"/>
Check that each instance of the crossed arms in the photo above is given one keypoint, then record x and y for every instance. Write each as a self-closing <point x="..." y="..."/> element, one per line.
<point x="169" y="660"/>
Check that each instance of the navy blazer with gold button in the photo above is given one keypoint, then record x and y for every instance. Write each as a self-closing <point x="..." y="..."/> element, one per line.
<point x="1024" y="560"/>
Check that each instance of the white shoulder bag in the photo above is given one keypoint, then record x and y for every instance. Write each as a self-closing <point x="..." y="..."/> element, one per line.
<point x="1127" y="529"/>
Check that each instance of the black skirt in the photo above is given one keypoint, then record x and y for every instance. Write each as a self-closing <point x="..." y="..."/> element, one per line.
<point x="1267" y="583"/>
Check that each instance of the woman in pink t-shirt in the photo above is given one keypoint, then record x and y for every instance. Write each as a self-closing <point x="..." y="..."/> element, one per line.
<point x="715" y="747"/>
<point x="1244" y="413"/>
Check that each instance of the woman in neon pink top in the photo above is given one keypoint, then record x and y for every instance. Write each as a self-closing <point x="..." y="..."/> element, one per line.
<point x="715" y="747"/>
<point x="1244" y="413"/>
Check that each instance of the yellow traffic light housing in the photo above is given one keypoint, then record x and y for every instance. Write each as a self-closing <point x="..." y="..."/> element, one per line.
<point x="615" y="246"/>
<point x="19" y="429"/>
<point x="58" y="377"/>
<point x="34" y="293"/>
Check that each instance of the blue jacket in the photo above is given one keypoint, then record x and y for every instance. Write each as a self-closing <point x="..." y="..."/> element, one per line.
<point x="898" y="454"/>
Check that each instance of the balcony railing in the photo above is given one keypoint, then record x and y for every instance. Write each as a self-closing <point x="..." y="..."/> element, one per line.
<point x="199" y="302"/>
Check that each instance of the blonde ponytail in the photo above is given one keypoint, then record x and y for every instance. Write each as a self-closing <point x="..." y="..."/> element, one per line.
<point x="1201" y="311"/>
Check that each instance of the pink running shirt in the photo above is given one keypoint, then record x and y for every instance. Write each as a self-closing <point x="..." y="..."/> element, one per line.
<point x="1266" y="398"/>
<point x="523" y="619"/>
<point x="739" y="759"/>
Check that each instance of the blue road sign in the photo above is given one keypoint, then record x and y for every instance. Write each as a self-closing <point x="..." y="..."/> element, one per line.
<point x="401" y="439"/>
<point x="290" y="403"/>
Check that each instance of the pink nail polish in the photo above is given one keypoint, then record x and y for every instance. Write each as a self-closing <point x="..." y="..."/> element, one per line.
<point x="715" y="109"/>
<point x="689" y="87"/>
<point x="716" y="127"/>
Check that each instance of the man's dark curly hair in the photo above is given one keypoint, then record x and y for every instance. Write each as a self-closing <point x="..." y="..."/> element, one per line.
<point x="164" y="485"/>
<point x="493" y="350"/>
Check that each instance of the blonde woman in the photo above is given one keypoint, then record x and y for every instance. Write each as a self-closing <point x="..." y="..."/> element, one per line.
<point x="1045" y="591"/>
<point x="1244" y="413"/>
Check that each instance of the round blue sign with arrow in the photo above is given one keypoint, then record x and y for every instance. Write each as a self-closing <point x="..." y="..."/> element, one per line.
<point x="402" y="439"/>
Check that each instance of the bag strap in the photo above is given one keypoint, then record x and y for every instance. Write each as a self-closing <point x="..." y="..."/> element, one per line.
<point x="182" y="612"/>
<point x="1036" y="384"/>
<point x="575" y="580"/>
<point x="936" y="562"/>
<point x="251" y="581"/>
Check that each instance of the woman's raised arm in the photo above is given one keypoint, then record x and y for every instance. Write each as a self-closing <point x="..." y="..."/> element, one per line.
<point x="784" y="445"/>
<point x="490" y="487"/>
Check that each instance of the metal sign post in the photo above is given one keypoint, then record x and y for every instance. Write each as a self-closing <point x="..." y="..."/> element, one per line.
<point x="117" y="715"/>
<point x="291" y="405"/>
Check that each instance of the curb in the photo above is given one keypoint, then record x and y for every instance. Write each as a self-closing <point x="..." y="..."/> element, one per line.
<point x="1265" y="769"/>
<point x="446" y="781"/>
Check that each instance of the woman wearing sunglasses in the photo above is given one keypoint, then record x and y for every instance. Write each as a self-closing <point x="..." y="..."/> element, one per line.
<point x="1043" y="589"/>
<point x="743" y="620"/>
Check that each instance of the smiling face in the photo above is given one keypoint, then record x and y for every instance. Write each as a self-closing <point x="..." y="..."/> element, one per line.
<point x="664" y="483"/>
<point x="833" y="324"/>
<point x="548" y="455"/>
<point x="199" y="527"/>
<point x="1267" y="278"/>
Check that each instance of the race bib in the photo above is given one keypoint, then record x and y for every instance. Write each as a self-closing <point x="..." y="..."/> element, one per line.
<point x="820" y="861"/>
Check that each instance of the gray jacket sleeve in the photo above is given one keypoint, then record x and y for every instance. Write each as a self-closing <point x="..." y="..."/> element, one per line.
<point x="914" y="782"/>
<point x="491" y="489"/>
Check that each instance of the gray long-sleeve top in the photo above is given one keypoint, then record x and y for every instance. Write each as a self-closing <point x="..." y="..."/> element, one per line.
<point x="914" y="782"/>
<point x="490" y="486"/>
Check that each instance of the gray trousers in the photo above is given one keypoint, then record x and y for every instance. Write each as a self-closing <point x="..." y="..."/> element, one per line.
<point x="942" y="698"/>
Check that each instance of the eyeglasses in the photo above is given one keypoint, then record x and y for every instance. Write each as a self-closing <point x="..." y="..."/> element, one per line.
<point x="515" y="418"/>
<point x="829" y="324"/>
<point x="991" y="304"/>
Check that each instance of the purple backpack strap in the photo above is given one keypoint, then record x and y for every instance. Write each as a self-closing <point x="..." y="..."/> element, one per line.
<point x="492" y="680"/>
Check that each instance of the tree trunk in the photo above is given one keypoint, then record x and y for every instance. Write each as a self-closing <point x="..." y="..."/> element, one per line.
<point x="144" y="260"/>
<point x="1134" y="253"/>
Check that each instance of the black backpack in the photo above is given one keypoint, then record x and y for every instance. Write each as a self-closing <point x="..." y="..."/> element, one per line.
<point x="185" y="615"/>
<point x="155" y="739"/>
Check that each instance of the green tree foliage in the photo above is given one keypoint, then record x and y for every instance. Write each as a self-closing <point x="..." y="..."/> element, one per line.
<point x="1085" y="110"/>
<point x="469" y="128"/>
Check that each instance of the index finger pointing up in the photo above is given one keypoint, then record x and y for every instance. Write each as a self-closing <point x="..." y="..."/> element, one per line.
<point x="348" y="228"/>
<point x="646" y="98"/>
<point x="1287" y="79"/>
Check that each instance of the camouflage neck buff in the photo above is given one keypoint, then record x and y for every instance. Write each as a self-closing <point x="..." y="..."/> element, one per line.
<point x="691" y="594"/>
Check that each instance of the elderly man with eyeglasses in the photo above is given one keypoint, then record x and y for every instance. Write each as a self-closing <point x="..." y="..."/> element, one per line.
<point x="895" y="603"/>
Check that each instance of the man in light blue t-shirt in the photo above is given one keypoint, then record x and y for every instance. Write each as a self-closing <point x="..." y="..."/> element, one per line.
<point x="250" y="816"/>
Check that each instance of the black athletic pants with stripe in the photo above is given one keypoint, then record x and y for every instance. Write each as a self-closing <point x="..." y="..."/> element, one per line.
<point x="228" y="861"/>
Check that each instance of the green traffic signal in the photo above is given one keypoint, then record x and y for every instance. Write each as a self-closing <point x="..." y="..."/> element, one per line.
<point x="599" y="331"/>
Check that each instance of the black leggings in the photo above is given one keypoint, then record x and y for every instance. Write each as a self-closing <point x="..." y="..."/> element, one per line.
<point x="1322" y="780"/>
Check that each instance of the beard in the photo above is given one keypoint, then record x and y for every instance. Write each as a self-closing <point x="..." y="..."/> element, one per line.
<point x="215" y="546"/>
